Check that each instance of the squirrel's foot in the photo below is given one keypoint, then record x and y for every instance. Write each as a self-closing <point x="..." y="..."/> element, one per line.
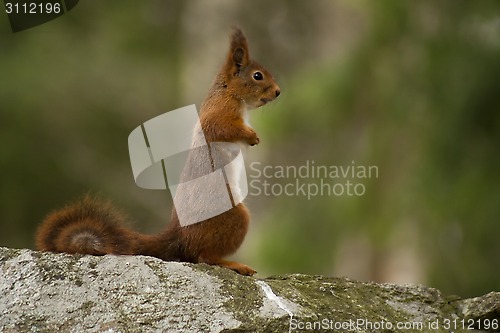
<point x="235" y="266"/>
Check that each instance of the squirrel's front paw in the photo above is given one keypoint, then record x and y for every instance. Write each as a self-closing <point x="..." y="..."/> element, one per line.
<point x="254" y="140"/>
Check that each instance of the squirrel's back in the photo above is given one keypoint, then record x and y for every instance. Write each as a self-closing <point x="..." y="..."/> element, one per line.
<point x="88" y="226"/>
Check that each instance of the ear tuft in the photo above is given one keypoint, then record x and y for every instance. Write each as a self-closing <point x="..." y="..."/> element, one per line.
<point x="239" y="48"/>
<point x="237" y="37"/>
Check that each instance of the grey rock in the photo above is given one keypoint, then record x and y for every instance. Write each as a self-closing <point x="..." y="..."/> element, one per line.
<point x="47" y="292"/>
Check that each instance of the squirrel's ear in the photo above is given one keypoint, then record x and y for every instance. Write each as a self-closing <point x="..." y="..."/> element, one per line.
<point x="239" y="48"/>
<point x="239" y="56"/>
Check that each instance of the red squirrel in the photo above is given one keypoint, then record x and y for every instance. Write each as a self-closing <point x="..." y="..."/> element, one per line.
<point x="93" y="226"/>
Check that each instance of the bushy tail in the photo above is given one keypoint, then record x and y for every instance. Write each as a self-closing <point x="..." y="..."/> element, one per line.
<point x="89" y="226"/>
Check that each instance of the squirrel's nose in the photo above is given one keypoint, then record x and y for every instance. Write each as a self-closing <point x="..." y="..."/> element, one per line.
<point x="278" y="92"/>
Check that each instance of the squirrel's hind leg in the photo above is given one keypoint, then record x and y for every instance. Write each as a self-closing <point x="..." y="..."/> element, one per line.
<point x="233" y="265"/>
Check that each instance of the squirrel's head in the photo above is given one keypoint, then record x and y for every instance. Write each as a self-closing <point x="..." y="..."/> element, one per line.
<point x="245" y="78"/>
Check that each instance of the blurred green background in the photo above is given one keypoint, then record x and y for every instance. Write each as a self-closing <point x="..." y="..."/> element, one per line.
<point x="410" y="87"/>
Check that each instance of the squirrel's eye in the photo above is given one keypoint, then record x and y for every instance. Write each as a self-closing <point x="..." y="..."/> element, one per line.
<point x="258" y="76"/>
